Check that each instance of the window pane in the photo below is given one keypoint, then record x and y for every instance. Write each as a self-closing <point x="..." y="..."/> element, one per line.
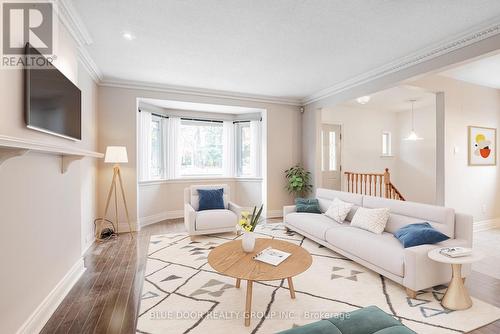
<point x="243" y="154"/>
<point x="386" y="143"/>
<point x="333" y="151"/>
<point x="201" y="148"/>
<point x="156" y="148"/>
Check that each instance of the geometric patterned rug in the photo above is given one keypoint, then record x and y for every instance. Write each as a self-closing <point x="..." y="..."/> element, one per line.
<point x="183" y="294"/>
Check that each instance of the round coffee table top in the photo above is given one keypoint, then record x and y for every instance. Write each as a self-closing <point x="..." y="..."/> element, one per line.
<point x="474" y="257"/>
<point x="229" y="259"/>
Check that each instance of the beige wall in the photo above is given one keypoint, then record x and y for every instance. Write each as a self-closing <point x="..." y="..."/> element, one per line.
<point x="470" y="189"/>
<point x="415" y="170"/>
<point x="412" y="166"/>
<point x="44" y="214"/>
<point x="117" y="121"/>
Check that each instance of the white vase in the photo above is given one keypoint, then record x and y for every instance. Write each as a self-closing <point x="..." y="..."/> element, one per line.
<point x="248" y="242"/>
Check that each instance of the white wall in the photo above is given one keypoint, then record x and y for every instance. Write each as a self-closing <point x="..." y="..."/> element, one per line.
<point x="44" y="213"/>
<point x="412" y="167"/>
<point x="362" y="137"/>
<point x="117" y="121"/>
<point x="415" y="170"/>
<point x="471" y="189"/>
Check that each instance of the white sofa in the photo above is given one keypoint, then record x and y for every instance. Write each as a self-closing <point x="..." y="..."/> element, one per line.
<point x="209" y="221"/>
<point x="383" y="253"/>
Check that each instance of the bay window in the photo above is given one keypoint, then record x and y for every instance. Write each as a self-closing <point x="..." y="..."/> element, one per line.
<point x="175" y="147"/>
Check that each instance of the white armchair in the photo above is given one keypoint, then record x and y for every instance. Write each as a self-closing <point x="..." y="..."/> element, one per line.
<point x="209" y="221"/>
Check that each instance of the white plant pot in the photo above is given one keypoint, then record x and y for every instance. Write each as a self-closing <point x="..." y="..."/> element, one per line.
<point x="248" y="242"/>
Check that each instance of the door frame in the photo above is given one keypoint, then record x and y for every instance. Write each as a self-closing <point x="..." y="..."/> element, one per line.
<point x="341" y="125"/>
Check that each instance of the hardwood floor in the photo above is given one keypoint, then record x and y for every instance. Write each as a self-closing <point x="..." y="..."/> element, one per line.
<point x="106" y="298"/>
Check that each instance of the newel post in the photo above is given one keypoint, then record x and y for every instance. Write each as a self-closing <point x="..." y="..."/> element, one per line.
<point x="387" y="182"/>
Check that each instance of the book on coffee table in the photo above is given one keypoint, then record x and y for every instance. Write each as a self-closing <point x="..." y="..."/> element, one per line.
<point x="271" y="256"/>
<point x="456" y="251"/>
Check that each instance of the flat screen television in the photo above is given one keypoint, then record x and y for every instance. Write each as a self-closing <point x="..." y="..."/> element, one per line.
<point x="52" y="102"/>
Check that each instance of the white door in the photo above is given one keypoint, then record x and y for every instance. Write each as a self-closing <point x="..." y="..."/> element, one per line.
<point x="331" y="167"/>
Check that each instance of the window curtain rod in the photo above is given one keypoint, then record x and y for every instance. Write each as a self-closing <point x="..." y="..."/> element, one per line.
<point x="201" y="120"/>
<point x="155" y="114"/>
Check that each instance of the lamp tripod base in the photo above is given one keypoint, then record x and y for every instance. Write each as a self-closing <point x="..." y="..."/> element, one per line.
<point x="113" y="192"/>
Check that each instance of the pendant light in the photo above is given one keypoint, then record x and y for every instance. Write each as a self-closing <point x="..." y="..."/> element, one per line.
<point x="413" y="135"/>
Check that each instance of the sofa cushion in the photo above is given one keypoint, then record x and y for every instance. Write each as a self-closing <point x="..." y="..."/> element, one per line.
<point x="419" y="234"/>
<point x="313" y="224"/>
<point x="326" y="196"/>
<point x="309" y="205"/>
<point x="339" y="210"/>
<point x="404" y="213"/>
<point x="215" y="219"/>
<point x="382" y="250"/>
<point x="373" y="220"/>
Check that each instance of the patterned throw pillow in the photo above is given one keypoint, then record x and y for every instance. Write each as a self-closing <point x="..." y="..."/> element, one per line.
<point x="211" y="199"/>
<point x="309" y="205"/>
<point x="373" y="220"/>
<point x="338" y="210"/>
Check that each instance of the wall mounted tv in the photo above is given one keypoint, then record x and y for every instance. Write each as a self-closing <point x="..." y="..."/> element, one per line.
<point x="52" y="102"/>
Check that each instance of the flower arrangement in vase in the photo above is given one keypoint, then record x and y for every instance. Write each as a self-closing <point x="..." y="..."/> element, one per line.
<point x="248" y="223"/>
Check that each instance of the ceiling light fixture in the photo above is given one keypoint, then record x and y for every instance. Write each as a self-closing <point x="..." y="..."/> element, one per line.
<point x="413" y="135"/>
<point x="128" y="36"/>
<point x="363" y="99"/>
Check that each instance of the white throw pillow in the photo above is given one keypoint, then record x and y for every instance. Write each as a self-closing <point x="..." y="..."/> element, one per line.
<point x="338" y="210"/>
<point x="373" y="220"/>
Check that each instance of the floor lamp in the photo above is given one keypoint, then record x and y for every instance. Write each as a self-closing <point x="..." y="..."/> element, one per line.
<point x="115" y="155"/>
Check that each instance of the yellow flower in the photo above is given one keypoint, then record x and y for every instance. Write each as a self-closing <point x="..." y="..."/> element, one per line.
<point x="245" y="214"/>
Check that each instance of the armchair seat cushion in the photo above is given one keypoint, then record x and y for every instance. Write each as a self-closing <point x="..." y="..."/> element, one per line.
<point x="215" y="219"/>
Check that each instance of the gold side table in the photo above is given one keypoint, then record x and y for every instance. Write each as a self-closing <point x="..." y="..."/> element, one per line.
<point x="456" y="296"/>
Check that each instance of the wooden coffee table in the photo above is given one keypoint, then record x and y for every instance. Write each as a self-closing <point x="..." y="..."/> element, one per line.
<point x="230" y="260"/>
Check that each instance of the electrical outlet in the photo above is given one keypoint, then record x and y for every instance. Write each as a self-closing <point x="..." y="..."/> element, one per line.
<point x="456" y="149"/>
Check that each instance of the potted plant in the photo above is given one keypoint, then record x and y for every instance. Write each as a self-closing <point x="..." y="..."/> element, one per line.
<point x="298" y="181"/>
<point x="248" y="223"/>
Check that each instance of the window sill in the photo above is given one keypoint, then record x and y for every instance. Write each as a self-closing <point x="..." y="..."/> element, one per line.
<point x="200" y="179"/>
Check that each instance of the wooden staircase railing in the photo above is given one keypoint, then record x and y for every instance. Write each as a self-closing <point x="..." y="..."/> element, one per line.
<point x="373" y="184"/>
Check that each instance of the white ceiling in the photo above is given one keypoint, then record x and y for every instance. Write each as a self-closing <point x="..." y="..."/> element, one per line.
<point x="396" y="99"/>
<point x="204" y="107"/>
<point x="281" y="48"/>
<point x="484" y="72"/>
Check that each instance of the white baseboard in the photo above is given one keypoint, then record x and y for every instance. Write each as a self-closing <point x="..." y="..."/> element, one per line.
<point x="485" y="225"/>
<point x="274" y="214"/>
<point x="44" y="311"/>
<point x="156" y="218"/>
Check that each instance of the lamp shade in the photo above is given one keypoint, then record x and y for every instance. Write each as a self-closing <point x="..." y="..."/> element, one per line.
<point x="116" y="155"/>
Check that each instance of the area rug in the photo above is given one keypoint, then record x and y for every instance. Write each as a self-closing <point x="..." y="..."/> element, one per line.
<point x="183" y="294"/>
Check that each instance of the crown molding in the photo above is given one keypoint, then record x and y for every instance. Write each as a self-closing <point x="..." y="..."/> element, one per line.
<point x="130" y="84"/>
<point x="77" y="29"/>
<point x="474" y="35"/>
<point x="90" y="66"/>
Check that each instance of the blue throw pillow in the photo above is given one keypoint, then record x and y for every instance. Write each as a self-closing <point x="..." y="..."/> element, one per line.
<point x="309" y="205"/>
<point x="211" y="199"/>
<point x="419" y="234"/>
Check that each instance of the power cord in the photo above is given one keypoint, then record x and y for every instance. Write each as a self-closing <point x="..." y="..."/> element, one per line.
<point x="107" y="233"/>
